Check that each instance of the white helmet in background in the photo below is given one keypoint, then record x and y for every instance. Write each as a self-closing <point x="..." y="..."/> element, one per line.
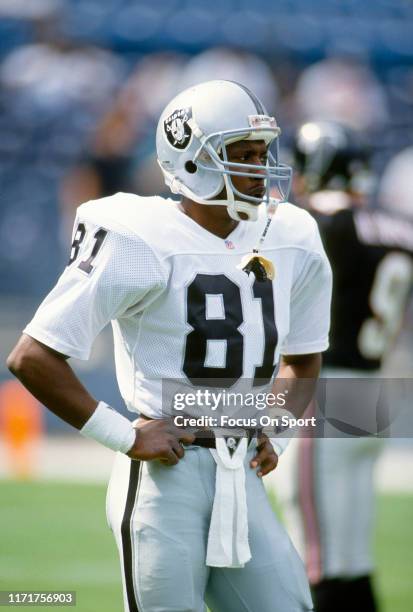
<point x="396" y="188"/>
<point x="191" y="139"/>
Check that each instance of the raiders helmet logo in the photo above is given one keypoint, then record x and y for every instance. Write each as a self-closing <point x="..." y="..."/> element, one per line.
<point x="177" y="129"/>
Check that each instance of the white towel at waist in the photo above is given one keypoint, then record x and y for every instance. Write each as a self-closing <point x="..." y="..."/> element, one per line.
<point x="228" y="531"/>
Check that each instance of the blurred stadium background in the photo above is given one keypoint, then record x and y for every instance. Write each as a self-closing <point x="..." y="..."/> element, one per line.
<point x="82" y="83"/>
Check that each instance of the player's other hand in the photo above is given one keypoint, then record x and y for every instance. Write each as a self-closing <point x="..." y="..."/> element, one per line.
<point x="159" y="439"/>
<point x="266" y="458"/>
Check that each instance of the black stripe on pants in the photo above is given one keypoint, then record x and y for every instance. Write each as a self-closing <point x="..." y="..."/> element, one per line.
<point x="135" y="468"/>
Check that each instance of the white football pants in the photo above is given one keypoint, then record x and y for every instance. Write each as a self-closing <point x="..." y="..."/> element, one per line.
<point x="160" y="517"/>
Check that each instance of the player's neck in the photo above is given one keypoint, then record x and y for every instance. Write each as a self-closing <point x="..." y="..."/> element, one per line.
<point x="214" y="219"/>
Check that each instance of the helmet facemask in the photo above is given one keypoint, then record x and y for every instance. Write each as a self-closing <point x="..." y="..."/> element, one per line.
<point x="212" y="157"/>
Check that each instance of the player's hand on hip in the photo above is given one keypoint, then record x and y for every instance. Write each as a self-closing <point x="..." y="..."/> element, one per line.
<point x="266" y="458"/>
<point x="159" y="439"/>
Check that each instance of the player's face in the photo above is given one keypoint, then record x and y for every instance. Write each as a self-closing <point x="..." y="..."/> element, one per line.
<point x="216" y="218"/>
<point x="248" y="152"/>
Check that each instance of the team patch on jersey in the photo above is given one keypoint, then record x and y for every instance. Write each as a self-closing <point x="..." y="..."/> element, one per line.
<point x="177" y="129"/>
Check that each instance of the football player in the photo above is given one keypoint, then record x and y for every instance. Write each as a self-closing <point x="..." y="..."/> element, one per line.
<point x="188" y="301"/>
<point x="371" y="254"/>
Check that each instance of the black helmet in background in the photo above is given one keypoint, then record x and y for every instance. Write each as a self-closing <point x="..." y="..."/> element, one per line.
<point x="332" y="156"/>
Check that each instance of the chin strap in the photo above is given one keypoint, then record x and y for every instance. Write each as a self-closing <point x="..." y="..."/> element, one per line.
<point x="233" y="206"/>
<point x="237" y="207"/>
<point x="262" y="268"/>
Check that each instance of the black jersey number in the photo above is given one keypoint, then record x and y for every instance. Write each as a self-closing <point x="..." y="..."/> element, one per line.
<point x="226" y="328"/>
<point x="80" y="234"/>
<point x="264" y="292"/>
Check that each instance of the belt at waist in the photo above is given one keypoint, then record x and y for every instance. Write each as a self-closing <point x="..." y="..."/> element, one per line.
<point x="206" y="437"/>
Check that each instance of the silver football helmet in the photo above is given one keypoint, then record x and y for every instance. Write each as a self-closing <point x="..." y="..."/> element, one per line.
<point x="193" y="133"/>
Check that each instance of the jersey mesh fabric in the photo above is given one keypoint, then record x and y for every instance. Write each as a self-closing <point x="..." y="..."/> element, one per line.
<point x="81" y="305"/>
<point x="308" y="312"/>
<point x="309" y="300"/>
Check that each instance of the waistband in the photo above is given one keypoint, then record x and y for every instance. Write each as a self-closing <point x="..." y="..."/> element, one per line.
<point x="206" y="438"/>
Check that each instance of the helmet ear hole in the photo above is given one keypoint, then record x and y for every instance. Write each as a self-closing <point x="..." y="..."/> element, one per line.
<point x="190" y="167"/>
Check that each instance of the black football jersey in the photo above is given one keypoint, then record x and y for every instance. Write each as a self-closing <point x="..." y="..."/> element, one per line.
<point x="371" y="254"/>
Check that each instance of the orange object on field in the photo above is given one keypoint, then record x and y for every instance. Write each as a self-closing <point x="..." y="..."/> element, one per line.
<point x="21" y="427"/>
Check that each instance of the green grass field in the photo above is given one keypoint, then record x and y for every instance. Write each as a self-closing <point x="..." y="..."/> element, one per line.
<point x="54" y="537"/>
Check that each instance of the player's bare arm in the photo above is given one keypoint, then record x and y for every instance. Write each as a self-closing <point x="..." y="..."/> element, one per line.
<point x="39" y="367"/>
<point x="293" y="369"/>
<point x="298" y="374"/>
<point x="300" y="366"/>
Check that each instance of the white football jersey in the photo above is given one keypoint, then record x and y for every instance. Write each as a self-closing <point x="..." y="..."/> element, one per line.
<point x="179" y="306"/>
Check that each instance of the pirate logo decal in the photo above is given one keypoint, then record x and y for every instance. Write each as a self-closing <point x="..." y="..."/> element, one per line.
<point x="177" y="129"/>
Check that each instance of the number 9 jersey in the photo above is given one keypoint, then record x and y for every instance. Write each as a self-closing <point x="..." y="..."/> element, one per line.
<point x="180" y="307"/>
<point x="370" y="251"/>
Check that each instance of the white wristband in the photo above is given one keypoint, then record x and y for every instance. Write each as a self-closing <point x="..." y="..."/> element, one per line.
<point x="110" y="429"/>
<point x="282" y="440"/>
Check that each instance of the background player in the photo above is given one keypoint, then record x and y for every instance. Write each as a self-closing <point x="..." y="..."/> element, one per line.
<point x="167" y="275"/>
<point x="371" y="253"/>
